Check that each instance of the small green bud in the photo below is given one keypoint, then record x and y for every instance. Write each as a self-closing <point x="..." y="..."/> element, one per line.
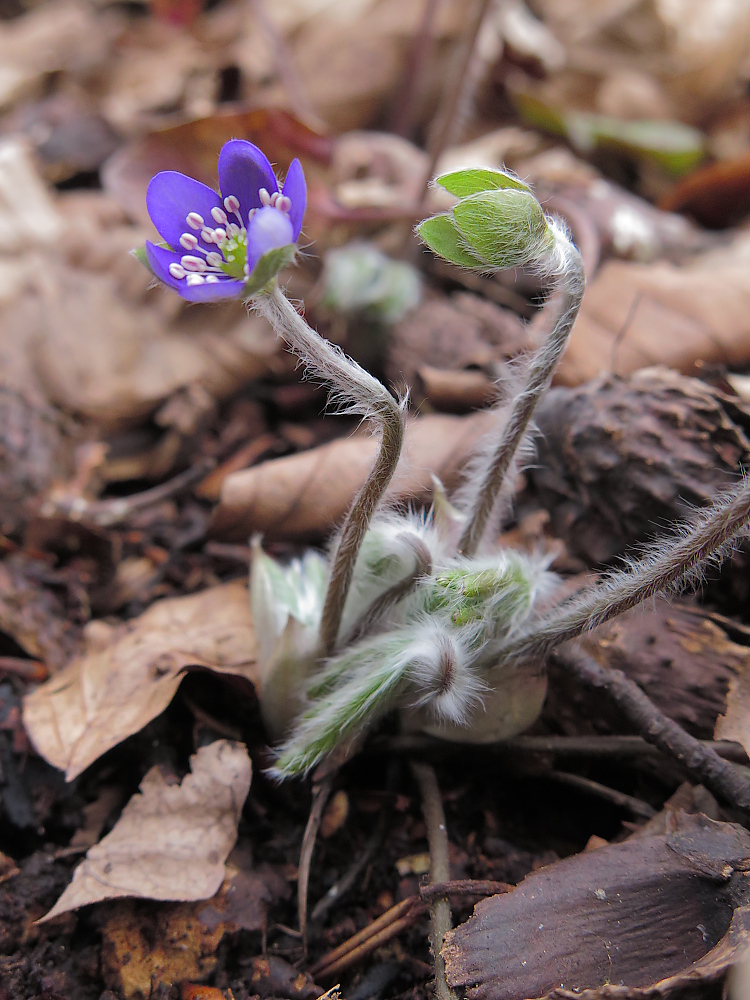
<point x="505" y="228"/>
<point x="269" y="265"/>
<point x="441" y="235"/>
<point x="497" y="222"/>
<point x="358" y="278"/>
<point x="463" y="183"/>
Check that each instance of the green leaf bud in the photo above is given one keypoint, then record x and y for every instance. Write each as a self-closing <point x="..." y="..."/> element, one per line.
<point x="358" y="278"/>
<point x="441" y="235"/>
<point x="268" y="267"/>
<point x="474" y="180"/>
<point x="505" y="228"/>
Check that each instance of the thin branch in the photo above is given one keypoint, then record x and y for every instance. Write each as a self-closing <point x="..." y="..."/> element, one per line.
<point x="437" y="835"/>
<point x="666" y="564"/>
<point x="569" y="293"/>
<point x="719" y="776"/>
<point x="362" y="394"/>
<point x="634" y="805"/>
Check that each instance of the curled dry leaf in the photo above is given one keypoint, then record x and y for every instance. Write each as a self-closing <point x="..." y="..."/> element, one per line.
<point x="171" y="841"/>
<point x="644" y="917"/>
<point x="306" y="495"/>
<point x="131" y="674"/>
<point x="638" y="315"/>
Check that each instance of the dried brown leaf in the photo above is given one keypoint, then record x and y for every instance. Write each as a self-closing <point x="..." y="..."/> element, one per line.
<point x="305" y="495"/>
<point x="171" y="841"/>
<point x="132" y="673"/>
<point x="638" y="315"/>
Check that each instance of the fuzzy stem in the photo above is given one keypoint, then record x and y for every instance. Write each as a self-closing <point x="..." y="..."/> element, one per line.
<point x="570" y="285"/>
<point x="666" y="564"/>
<point x="365" y="395"/>
<point x="437" y="835"/>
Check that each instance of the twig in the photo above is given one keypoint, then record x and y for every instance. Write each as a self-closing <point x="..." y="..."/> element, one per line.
<point x="636" y="806"/>
<point x="437" y="836"/>
<point x="719" y="776"/>
<point x="284" y="65"/>
<point x="320" y="796"/>
<point x="115" y="510"/>
<point x="389" y="924"/>
<point x="28" y="670"/>
<point x="408" y="89"/>
<point x="458" y="89"/>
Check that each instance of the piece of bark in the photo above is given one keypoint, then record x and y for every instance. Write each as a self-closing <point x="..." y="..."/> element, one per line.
<point x="629" y="915"/>
<point x="305" y="496"/>
<point x="682" y="660"/>
<point x="618" y="458"/>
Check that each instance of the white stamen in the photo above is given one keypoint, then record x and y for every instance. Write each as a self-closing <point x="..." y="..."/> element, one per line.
<point x="195" y="279"/>
<point x="265" y="197"/>
<point x="220" y="234"/>
<point x="214" y="259"/>
<point x="274" y="199"/>
<point x="284" y="204"/>
<point x="251" y="213"/>
<point x="246" y="268"/>
<point x="193" y="263"/>
<point x="233" y="229"/>
<point x="207" y="235"/>
<point x="218" y="215"/>
<point x="194" y="220"/>
<point x="232" y="204"/>
<point x="211" y="279"/>
<point x="188" y="241"/>
<point x="176" y="270"/>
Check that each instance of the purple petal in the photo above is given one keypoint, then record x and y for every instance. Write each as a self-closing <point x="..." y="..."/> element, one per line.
<point x="295" y="189"/>
<point x="160" y="258"/>
<point x="243" y="171"/>
<point x="170" y="196"/>
<point x="269" y="228"/>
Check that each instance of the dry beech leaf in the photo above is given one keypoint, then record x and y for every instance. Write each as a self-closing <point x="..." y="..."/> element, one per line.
<point x="649" y="914"/>
<point x="113" y="690"/>
<point x="735" y="723"/>
<point x="306" y="495"/>
<point x="114" y="361"/>
<point x="171" y="841"/>
<point x="638" y="315"/>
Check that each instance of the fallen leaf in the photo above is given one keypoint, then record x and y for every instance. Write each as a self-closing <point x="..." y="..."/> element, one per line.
<point x="306" y="495"/>
<point x="632" y="914"/>
<point x="639" y="315"/>
<point x="171" y="841"/>
<point x="131" y="674"/>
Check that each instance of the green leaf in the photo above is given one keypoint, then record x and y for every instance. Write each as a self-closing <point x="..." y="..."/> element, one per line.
<point x="268" y="267"/>
<point x="505" y="228"/>
<point x="443" y="238"/>
<point x="473" y="180"/>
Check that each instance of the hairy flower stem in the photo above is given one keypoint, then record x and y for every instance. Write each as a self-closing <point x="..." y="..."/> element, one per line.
<point x="666" y="564"/>
<point x="570" y="286"/>
<point x="364" y="395"/>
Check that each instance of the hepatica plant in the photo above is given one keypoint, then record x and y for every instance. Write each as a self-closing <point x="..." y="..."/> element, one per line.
<point x="416" y="612"/>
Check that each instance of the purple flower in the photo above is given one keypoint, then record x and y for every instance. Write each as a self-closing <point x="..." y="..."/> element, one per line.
<point x="216" y="241"/>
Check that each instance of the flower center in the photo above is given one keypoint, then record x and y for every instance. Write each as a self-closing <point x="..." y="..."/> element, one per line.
<point x="229" y="236"/>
